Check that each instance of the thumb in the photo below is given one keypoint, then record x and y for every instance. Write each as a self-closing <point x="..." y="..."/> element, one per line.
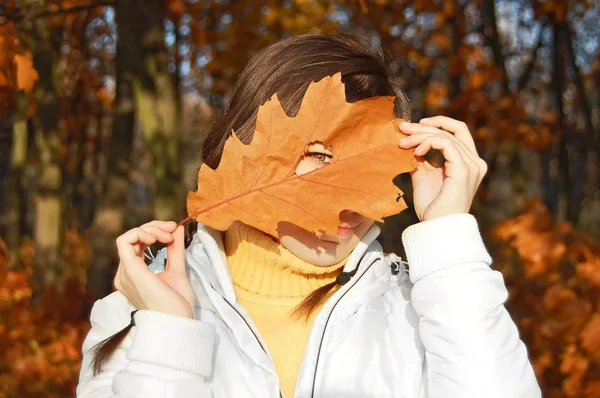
<point x="176" y="251"/>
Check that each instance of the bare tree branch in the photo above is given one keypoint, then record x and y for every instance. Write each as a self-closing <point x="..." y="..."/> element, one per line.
<point x="524" y="79"/>
<point x="492" y="37"/>
<point x="583" y="100"/>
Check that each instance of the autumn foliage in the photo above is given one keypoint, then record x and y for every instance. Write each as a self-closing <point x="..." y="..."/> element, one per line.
<point x="552" y="274"/>
<point x="16" y="68"/>
<point x="104" y="104"/>
<point x="40" y="338"/>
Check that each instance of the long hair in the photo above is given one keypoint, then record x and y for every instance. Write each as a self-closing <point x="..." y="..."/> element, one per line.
<point x="287" y="68"/>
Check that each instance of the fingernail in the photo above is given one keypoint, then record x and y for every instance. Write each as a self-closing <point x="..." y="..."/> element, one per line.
<point x="425" y="119"/>
<point x="403" y="140"/>
<point x="404" y="124"/>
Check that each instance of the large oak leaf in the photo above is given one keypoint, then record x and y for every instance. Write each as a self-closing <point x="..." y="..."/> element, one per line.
<point x="257" y="183"/>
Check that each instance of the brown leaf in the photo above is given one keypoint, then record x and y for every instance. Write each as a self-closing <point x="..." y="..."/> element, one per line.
<point x="556" y="295"/>
<point x="26" y="73"/>
<point x="105" y="97"/>
<point x="590" y="335"/>
<point x="436" y="95"/>
<point x="592" y="389"/>
<point x="257" y="183"/>
<point x="3" y="80"/>
<point x="440" y="40"/>
<point x="477" y="80"/>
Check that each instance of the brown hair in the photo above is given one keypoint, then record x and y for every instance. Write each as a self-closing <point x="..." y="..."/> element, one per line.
<point x="287" y="68"/>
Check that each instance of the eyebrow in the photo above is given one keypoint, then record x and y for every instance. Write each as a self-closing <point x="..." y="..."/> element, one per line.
<point x="318" y="146"/>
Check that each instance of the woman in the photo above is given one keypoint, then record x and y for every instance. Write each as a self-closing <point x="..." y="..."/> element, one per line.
<point x="245" y="314"/>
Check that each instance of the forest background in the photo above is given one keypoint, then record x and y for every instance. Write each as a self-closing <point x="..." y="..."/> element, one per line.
<point x="104" y="105"/>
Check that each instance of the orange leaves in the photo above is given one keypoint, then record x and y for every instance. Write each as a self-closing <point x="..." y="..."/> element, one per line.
<point x="436" y="96"/>
<point x="257" y="183"/>
<point x="574" y="366"/>
<point x="16" y="66"/>
<point x="566" y="314"/>
<point x="105" y="97"/>
<point x="555" y="10"/>
<point x="3" y="80"/>
<point x="16" y="69"/>
<point x="176" y="9"/>
<point x="15" y="289"/>
<point x="440" y="40"/>
<point x="14" y="285"/>
<point x="552" y="273"/>
<point x="40" y="346"/>
<point x="7" y="41"/>
<point x="422" y="62"/>
<point x="26" y="73"/>
<point x="590" y="336"/>
<point x="477" y="80"/>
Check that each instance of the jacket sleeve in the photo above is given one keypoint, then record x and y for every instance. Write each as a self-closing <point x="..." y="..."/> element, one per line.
<point x="163" y="356"/>
<point x="472" y="346"/>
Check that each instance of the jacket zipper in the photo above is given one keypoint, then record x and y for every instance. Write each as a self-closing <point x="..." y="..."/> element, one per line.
<point x="245" y="321"/>
<point x="314" y="383"/>
<point x="254" y="334"/>
<point x="324" y="328"/>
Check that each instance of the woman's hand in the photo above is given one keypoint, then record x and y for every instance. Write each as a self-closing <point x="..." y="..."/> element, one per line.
<point x="449" y="189"/>
<point x="169" y="291"/>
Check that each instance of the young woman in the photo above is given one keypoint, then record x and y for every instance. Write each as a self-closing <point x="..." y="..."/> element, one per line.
<point x="244" y="314"/>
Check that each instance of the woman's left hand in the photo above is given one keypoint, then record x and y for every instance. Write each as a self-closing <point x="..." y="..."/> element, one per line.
<point x="450" y="189"/>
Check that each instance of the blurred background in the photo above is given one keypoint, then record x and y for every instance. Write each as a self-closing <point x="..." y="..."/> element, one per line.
<point x="104" y="105"/>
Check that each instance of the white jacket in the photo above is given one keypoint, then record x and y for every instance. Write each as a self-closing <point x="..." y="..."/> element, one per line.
<point x="442" y="333"/>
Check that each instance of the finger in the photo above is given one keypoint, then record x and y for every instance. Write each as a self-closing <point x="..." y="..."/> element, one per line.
<point x="416" y="132"/>
<point x="160" y="234"/>
<point x="476" y="167"/>
<point x="136" y="236"/>
<point x="176" y="251"/>
<point x="417" y="138"/>
<point x="168" y="226"/>
<point x="455" y="165"/>
<point x="415" y="129"/>
<point x="456" y="127"/>
<point x="409" y="128"/>
<point x="132" y="244"/>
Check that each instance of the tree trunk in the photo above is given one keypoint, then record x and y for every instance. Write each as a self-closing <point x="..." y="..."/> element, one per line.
<point x="584" y="141"/>
<point x="6" y="144"/>
<point x="157" y="106"/>
<point x="14" y="193"/>
<point x="492" y="35"/>
<point x="563" y="167"/>
<point x="108" y="221"/>
<point x="48" y="227"/>
<point x="456" y="32"/>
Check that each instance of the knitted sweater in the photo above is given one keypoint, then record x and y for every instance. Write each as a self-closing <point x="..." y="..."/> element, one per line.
<point x="270" y="282"/>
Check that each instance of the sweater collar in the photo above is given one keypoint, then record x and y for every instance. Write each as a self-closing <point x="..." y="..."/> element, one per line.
<point x="263" y="269"/>
<point x="206" y="255"/>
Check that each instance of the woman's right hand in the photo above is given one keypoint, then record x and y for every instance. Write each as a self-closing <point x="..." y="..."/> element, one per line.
<point x="169" y="291"/>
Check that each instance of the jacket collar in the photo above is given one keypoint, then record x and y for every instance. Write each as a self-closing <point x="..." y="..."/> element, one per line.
<point x="208" y="257"/>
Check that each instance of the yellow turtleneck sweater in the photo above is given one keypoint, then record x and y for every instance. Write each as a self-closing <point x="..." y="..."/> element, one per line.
<point x="270" y="282"/>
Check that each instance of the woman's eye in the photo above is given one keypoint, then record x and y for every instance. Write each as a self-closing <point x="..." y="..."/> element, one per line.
<point x="319" y="157"/>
